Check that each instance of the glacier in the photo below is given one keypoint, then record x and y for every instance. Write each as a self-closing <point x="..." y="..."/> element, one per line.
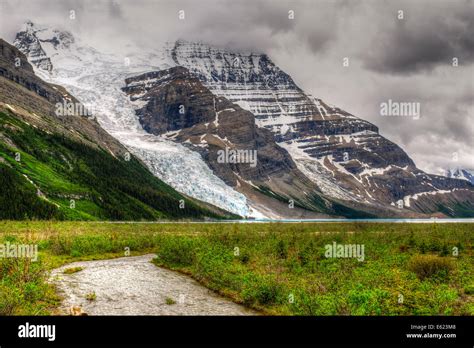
<point x="95" y="79"/>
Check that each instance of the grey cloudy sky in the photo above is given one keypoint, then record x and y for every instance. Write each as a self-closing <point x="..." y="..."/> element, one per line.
<point x="407" y="60"/>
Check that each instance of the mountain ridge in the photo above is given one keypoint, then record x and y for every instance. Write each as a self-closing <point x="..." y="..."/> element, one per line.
<point x="461" y="173"/>
<point x="344" y="156"/>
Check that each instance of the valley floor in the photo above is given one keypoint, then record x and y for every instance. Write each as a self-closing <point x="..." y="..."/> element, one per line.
<point x="272" y="268"/>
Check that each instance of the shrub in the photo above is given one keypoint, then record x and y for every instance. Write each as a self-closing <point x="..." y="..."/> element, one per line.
<point x="306" y="254"/>
<point x="282" y="249"/>
<point x="22" y="286"/>
<point x="213" y="263"/>
<point x="178" y="251"/>
<point x="306" y="303"/>
<point x="61" y="246"/>
<point x="411" y="240"/>
<point x="444" y="250"/>
<point x="88" y="245"/>
<point x="245" y="258"/>
<point x="403" y="248"/>
<point x="10" y="299"/>
<point x="423" y="247"/>
<point x="469" y="290"/>
<point x="262" y="290"/>
<point x="427" y="266"/>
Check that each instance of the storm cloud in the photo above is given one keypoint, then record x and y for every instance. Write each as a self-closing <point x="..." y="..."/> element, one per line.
<point x="429" y="34"/>
<point x="406" y="60"/>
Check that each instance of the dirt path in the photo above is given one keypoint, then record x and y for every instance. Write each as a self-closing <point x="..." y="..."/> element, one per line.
<point x="134" y="286"/>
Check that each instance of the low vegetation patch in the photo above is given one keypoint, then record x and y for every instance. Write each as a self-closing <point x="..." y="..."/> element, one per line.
<point x="429" y="266"/>
<point x="24" y="289"/>
<point x="72" y="270"/>
<point x="91" y="297"/>
<point x="170" y="301"/>
<point x="281" y="269"/>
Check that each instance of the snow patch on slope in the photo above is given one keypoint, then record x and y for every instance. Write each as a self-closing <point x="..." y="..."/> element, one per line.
<point x="316" y="171"/>
<point x="460" y="173"/>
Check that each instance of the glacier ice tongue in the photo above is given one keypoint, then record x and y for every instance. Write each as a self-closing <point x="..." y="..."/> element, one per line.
<point x="96" y="79"/>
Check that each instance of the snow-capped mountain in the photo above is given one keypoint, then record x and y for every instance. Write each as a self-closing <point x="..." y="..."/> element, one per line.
<point x="343" y="154"/>
<point x="342" y="158"/>
<point x="96" y="80"/>
<point x="71" y="157"/>
<point x="460" y="173"/>
<point x="29" y="41"/>
<point x="213" y="125"/>
<point x="315" y="134"/>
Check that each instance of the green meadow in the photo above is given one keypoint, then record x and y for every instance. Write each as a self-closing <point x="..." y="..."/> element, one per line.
<point x="275" y="268"/>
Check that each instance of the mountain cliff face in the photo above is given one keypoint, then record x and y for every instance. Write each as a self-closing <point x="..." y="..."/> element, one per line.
<point x="344" y="155"/>
<point x="178" y="106"/>
<point x="68" y="167"/>
<point x="460" y="173"/>
<point x="206" y="120"/>
<point x="326" y="159"/>
<point x="29" y="42"/>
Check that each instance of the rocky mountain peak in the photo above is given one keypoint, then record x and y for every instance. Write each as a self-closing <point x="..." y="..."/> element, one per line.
<point x="28" y="43"/>
<point x="343" y="154"/>
<point x="213" y="65"/>
<point x="40" y="43"/>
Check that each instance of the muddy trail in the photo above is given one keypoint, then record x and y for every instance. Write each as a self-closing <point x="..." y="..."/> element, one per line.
<point x="135" y="286"/>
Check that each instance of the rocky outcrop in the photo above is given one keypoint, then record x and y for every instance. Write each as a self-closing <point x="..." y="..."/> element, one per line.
<point x="15" y="67"/>
<point x="28" y="42"/>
